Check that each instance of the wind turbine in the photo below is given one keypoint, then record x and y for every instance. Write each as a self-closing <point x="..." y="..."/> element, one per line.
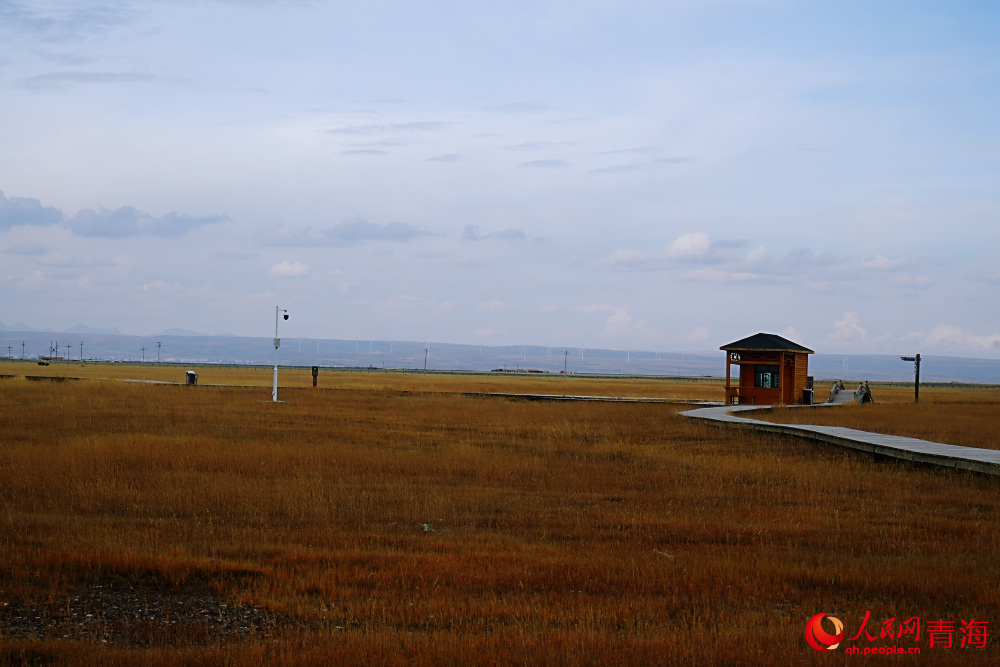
<point x="427" y="351"/>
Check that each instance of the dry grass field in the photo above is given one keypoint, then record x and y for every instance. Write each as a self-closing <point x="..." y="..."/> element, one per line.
<point x="389" y="521"/>
<point x="250" y="376"/>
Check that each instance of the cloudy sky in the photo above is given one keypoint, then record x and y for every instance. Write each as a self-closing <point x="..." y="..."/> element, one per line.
<point x="661" y="175"/>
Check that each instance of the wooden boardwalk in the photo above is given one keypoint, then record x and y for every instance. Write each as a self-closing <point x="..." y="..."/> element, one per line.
<point x="911" y="449"/>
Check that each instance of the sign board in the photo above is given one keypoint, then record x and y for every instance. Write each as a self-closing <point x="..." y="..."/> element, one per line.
<point x="277" y="343"/>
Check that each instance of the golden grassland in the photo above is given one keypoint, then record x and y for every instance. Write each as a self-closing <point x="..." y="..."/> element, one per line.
<point x="968" y="417"/>
<point x="389" y="525"/>
<point x="350" y="379"/>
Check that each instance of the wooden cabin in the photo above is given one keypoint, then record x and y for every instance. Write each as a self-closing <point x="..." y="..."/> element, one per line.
<point x="773" y="370"/>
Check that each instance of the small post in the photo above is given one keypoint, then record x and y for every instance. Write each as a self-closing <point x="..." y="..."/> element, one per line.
<point x="315" y="374"/>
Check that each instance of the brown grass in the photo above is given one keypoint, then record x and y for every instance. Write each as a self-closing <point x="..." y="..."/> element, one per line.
<point x="381" y="526"/>
<point x="968" y="417"/>
<point x="259" y="376"/>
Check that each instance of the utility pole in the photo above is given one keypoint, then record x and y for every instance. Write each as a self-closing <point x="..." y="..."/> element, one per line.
<point x="565" y="362"/>
<point x="143" y="354"/>
<point x="22" y="350"/>
<point x="81" y="351"/>
<point x="157" y="351"/>
<point x="916" y="376"/>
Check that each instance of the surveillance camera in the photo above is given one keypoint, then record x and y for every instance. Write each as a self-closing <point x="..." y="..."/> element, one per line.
<point x="286" y="316"/>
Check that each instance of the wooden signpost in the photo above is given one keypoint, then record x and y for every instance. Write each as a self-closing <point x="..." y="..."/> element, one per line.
<point x="916" y="376"/>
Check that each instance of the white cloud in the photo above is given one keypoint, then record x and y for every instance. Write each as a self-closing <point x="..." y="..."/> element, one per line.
<point x="472" y="233"/>
<point x="912" y="282"/>
<point x="792" y="334"/>
<point x="943" y="334"/>
<point x="688" y="247"/>
<point x="847" y="329"/>
<point x="26" y="249"/>
<point x="349" y="232"/>
<point x="413" y="303"/>
<point x="407" y="301"/>
<point x="289" y="270"/>
<point x="493" y="306"/>
<point x="631" y="259"/>
<point x="722" y="263"/>
<point x="593" y="308"/>
<point x="883" y="263"/>
<point x="619" y="322"/>
<point x="698" y="335"/>
<point x="235" y="252"/>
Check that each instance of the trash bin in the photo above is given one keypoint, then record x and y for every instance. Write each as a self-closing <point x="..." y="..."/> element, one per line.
<point x="807" y="397"/>
<point x="190" y="378"/>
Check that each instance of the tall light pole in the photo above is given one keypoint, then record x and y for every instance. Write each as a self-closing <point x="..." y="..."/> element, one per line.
<point x="158" y="351"/>
<point x="81" y="351"/>
<point x="277" y="344"/>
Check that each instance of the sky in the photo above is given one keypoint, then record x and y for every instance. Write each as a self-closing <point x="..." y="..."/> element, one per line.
<point x="642" y="175"/>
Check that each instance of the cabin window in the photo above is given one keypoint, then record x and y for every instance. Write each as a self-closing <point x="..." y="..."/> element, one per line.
<point x="766" y="377"/>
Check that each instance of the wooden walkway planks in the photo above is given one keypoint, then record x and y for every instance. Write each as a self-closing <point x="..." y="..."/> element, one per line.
<point x="911" y="449"/>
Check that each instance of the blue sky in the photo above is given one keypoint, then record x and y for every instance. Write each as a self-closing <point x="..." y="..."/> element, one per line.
<point x="654" y="175"/>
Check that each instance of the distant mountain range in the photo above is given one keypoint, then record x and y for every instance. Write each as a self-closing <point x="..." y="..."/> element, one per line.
<point x="188" y="347"/>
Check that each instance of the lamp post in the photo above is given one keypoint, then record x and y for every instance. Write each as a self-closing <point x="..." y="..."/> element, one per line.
<point x="916" y="376"/>
<point x="277" y="344"/>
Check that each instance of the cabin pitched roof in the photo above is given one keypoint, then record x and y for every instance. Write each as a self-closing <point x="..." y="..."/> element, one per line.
<point x="765" y="342"/>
